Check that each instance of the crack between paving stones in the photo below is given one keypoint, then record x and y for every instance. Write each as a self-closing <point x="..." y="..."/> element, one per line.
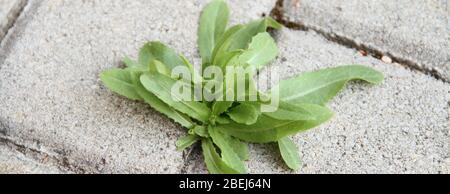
<point x="29" y="10"/>
<point x="278" y="14"/>
<point x="60" y="162"/>
<point x="188" y="157"/>
<point x="15" y="16"/>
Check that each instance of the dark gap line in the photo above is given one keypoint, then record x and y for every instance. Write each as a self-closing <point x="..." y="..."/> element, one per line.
<point x="62" y="163"/>
<point x="278" y="14"/>
<point x="12" y="22"/>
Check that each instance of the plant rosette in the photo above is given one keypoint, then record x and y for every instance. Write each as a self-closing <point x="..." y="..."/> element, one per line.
<point x="224" y="127"/>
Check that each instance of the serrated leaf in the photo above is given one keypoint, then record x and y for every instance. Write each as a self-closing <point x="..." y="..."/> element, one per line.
<point x="261" y="51"/>
<point x="224" y="42"/>
<point x="120" y="82"/>
<point x="186" y="142"/>
<point x="213" y="22"/>
<point x="161" y="86"/>
<point x="214" y="163"/>
<point x="289" y="153"/>
<point x="243" y="37"/>
<point x="321" y="86"/>
<point x="160" y="52"/>
<point x="239" y="37"/>
<point x="229" y="156"/>
<point x="244" y="114"/>
<point x="268" y="129"/>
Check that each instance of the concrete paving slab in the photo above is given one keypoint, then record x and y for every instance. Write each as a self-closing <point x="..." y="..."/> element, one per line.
<point x="14" y="162"/>
<point x="400" y="126"/>
<point x="416" y="32"/>
<point x="52" y="100"/>
<point x="9" y="10"/>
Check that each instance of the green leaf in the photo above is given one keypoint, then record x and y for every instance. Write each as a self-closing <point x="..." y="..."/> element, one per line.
<point x="244" y="114"/>
<point x="201" y="131"/>
<point x="250" y="93"/>
<point x="229" y="156"/>
<point x="289" y="153"/>
<point x="220" y="107"/>
<point x="213" y="23"/>
<point x="120" y="81"/>
<point x="195" y="76"/>
<point x="186" y="142"/>
<point x="159" y="105"/>
<point x="239" y="37"/>
<point x="158" y="67"/>
<point x="222" y="120"/>
<point x="261" y="51"/>
<point x="268" y="129"/>
<point x="214" y="163"/>
<point x="158" y="51"/>
<point x="293" y="112"/>
<point x="270" y="22"/>
<point x="226" y="59"/>
<point x="239" y="147"/>
<point x="223" y="43"/>
<point x="161" y="86"/>
<point x="131" y="63"/>
<point x="243" y="37"/>
<point x="321" y="86"/>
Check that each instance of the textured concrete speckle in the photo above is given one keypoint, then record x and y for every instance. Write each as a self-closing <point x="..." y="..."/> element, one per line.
<point x="51" y="98"/>
<point x="14" y="162"/>
<point x="9" y="10"/>
<point x="400" y="126"/>
<point x="416" y="31"/>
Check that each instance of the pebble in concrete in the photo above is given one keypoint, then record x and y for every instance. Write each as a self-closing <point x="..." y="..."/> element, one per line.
<point x="9" y="10"/>
<point x="50" y="94"/>
<point x="400" y="126"/>
<point x="416" y="31"/>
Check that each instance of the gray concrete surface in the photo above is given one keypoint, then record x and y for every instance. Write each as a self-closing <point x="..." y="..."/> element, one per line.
<point x="9" y="10"/>
<point x="52" y="100"/>
<point x="415" y="31"/>
<point x="400" y="126"/>
<point x="14" y="162"/>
